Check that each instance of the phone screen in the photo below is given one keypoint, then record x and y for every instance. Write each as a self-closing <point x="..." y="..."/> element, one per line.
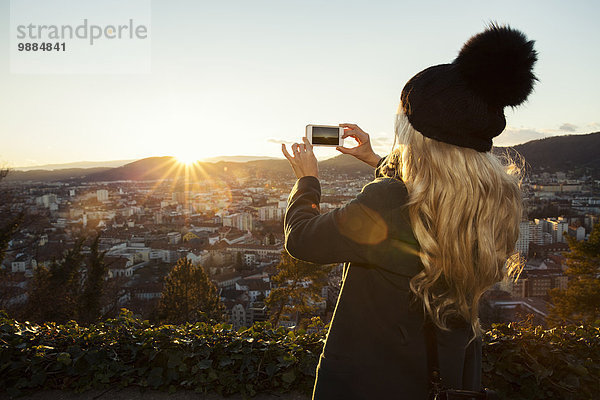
<point x="324" y="135"/>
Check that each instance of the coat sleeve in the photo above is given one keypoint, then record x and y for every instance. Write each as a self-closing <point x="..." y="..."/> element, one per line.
<point x="352" y="233"/>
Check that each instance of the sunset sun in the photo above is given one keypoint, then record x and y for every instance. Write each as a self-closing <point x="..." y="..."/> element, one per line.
<point x="187" y="158"/>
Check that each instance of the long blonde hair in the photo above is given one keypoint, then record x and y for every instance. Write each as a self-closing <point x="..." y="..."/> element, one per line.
<point x="465" y="208"/>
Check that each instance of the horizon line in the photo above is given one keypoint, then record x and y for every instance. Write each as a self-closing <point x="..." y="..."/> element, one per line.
<point x="211" y="159"/>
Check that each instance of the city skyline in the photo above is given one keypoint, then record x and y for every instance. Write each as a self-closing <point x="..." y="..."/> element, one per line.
<point x="241" y="80"/>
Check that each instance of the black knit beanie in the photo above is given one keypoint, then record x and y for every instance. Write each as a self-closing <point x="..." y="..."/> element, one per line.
<point x="462" y="103"/>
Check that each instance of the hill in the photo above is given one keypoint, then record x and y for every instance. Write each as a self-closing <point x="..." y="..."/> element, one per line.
<point x="237" y="158"/>
<point x="566" y="152"/>
<point x="42" y="175"/>
<point x="156" y="168"/>
<point x="76" y="165"/>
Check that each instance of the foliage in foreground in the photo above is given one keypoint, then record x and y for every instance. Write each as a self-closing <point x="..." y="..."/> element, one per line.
<point x="580" y="301"/>
<point x="71" y="288"/>
<point x="520" y="361"/>
<point x="291" y="295"/>
<point x="187" y="291"/>
<point x="130" y="352"/>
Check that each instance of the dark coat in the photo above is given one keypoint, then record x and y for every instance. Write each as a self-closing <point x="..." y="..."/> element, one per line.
<point x="375" y="347"/>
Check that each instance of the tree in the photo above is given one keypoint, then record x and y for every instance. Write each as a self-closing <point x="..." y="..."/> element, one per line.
<point x="239" y="262"/>
<point x="71" y="288"/>
<point x="90" y="302"/>
<point x="14" y="220"/>
<point x="299" y="283"/>
<point x="9" y="225"/>
<point x="58" y="292"/>
<point x="580" y="301"/>
<point x="7" y="231"/>
<point x="189" y="296"/>
<point x="54" y="291"/>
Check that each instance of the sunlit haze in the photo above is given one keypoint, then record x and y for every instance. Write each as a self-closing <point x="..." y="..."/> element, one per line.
<point x="240" y="78"/>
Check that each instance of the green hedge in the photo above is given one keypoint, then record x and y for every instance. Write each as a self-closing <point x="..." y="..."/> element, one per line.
<point x="520" y="362"/>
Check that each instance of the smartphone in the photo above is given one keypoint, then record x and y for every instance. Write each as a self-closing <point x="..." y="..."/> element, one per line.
<point x="325" y="135"/>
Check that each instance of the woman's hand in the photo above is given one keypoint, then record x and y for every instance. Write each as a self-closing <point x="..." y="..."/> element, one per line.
<point x="364" y="152"/>
<point x="304" y="162"/>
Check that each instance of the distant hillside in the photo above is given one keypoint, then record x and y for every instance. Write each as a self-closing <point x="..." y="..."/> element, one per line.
<point x="345" y="163"/>
<point x="563" y="152"/>
<point x="68" y="174"/>
<point x="168" y="167"/>
<point x="76" y="165"/>
<point x="237" y="158"/>
<point x="554" y="153"/>
<point x="155" y="168"/>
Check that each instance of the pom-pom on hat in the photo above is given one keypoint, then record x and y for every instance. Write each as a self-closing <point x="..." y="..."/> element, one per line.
<point x="462" y="103"/>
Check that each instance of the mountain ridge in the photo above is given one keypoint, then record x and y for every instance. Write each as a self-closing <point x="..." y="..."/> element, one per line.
<point x="550" y="154"/>
<point x="75" y="165"/>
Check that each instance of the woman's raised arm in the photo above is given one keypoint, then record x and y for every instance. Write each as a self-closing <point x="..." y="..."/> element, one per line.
<point x="355" y="232"/>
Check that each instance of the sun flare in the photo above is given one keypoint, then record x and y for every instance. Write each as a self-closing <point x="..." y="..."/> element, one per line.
<point x="187" y="159"/>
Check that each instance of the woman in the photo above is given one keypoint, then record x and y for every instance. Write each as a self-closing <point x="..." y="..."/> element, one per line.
<point x="428" y="236"/>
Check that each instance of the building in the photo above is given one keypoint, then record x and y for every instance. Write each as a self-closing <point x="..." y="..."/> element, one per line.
<point x="545" y="250"/>
<point x="517" y="309"/>
<point x="541" y="280"/>
<point x="556" y="227"/>
<point x="178" y="197"/>
<point x="257" y="311"/>
<point x="250" y="259"/>
<point x="241" y="221"/>
<point x="577" y="232"/>
<point x="170" y="256"/>
<point x="270" y="213"/>
<point x="102" y="194"/>
<point x="530" y="232"/>
<point x="227" y="279"/>
<point x="238" y="316"/>
<point x="522" y="245"/>
<point x="558" y="230"/>
<point x="47" y="200"/>
<point x="148" y="291"/>
<point x="21" y="263"/>
<point x="174" y="237"/>
<point x="199" y="259"/>
<point x="254" y="287"/>
<point x="536" y="235"/>
<point x="263" y="252"/>
<point x="590" y="220"/>
<point x="119" y="266"/>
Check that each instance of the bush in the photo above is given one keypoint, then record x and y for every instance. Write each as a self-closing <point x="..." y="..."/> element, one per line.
<point x="521" y="362"/>
<point x="130" y="352"/>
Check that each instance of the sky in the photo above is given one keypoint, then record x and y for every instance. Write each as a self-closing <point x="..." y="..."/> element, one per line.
<point x="241" y="77"/>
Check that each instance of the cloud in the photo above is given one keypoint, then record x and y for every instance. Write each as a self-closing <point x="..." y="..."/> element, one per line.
<point x="514" y="136"/>
<point x="567" y="127"/>
<point x="382" y="141"/>
<point x="279" y="141"/>
<point x="594" y="126"/>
